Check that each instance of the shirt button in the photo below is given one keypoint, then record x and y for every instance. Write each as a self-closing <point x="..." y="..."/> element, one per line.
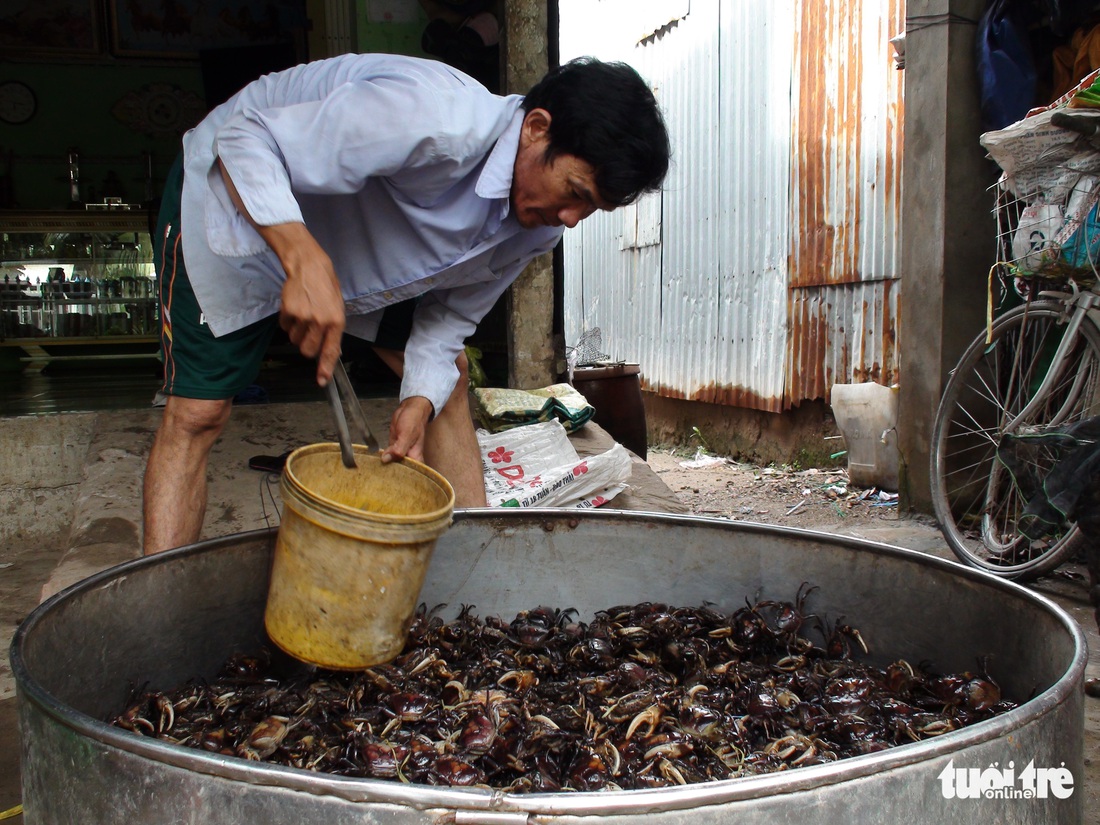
<point x="429" y="281"/>
<point x="387" y="295"/>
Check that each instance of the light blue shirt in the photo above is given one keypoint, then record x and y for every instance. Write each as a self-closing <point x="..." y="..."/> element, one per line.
<point x="400" y="167"/>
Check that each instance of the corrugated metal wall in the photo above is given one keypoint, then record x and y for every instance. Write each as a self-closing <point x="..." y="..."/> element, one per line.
<point x="775" y="274"/>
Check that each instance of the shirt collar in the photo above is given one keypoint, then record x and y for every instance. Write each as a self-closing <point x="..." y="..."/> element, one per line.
<point x="495" y="180"/>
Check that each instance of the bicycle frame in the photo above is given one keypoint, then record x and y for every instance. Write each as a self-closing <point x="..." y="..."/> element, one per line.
<point x="1083" y="304"/>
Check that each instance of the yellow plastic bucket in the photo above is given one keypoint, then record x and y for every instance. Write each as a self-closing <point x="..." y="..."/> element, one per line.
<point x="352" y="551"/>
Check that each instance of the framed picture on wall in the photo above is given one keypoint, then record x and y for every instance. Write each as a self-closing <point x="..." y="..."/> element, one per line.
<point x="50" y="28"/>
<point x="182" y="28"/>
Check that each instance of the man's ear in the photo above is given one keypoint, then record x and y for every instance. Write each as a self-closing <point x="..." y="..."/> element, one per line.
<point x="536" y="125"/>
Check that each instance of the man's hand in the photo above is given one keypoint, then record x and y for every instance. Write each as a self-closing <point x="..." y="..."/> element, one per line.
<point x="407" y="430"/>
<point x="312" y="311"/>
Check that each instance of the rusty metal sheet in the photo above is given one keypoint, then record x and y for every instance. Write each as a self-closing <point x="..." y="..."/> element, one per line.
<point x="847" y="335"/>
<point x="845" y="218"/>
<point x="775" y="271"/>
<point x="846" y="175"/>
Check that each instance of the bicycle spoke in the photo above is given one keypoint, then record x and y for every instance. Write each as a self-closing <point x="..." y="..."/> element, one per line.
<point x="974" y="470"/>
<point x="989" y="433"/>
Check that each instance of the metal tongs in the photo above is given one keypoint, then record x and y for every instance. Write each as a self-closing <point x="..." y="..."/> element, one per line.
<point x="341" y="392"/>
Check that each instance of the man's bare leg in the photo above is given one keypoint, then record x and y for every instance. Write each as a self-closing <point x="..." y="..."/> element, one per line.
<point x="450" y="445"/>
<point x="175" y="476"/>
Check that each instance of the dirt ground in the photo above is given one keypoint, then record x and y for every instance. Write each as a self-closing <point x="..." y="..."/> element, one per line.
<point x="806" y="498"/>
<point x="23" y="570"/>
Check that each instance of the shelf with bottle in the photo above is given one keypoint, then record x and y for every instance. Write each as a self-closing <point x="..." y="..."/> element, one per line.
<point x="81" y="307"/>
<point x="69" y="279"/>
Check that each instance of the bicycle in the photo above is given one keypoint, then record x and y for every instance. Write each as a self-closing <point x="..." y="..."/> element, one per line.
<point x="1030" y="376"/>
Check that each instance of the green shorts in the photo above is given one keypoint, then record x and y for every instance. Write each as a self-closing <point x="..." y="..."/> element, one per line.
<point x="196" y="363"/>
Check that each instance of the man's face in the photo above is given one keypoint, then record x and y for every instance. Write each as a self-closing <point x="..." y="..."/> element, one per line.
<point x="559" y="193"/>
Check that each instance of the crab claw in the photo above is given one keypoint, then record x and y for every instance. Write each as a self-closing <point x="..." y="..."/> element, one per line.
<point x="167" y="714"/>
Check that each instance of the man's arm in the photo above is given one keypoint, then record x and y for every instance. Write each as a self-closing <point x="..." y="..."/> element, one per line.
<point x="312" y="311"/>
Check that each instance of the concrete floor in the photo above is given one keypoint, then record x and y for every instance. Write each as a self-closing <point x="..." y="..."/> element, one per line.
<point x="105" y="512"/>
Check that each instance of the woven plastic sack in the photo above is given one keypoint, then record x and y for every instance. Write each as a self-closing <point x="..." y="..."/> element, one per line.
<point x="536" y="466"/>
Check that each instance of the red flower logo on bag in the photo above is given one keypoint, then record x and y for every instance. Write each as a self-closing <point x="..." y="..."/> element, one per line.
<point x="501" y="455"/>
<point x="581" y="468"/>
<point x="598" y="500"/>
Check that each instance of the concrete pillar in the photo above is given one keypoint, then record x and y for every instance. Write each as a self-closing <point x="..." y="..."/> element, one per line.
<point x="948" y="230"/>
<point x="534" y="358"/>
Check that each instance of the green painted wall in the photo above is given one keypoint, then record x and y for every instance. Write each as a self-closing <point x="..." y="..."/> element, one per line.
<point x="401" y="36"/>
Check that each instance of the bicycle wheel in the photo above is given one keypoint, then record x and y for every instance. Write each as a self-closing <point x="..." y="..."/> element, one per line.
<point x="975" y="498"/>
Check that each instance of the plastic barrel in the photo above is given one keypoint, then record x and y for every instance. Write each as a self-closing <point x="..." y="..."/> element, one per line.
<point x="351" y="554"/>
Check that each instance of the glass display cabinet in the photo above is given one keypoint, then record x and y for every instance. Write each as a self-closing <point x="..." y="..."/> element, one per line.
<point x="76" y="278"/>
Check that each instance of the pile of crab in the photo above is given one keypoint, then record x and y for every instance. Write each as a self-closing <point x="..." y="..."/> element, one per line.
<point x="642" y="696"/>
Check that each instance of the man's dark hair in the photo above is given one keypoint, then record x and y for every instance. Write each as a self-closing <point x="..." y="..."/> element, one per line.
<point x="605" y="114"/>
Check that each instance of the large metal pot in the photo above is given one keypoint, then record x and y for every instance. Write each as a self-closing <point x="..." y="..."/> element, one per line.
<point x="165" y="619"/>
